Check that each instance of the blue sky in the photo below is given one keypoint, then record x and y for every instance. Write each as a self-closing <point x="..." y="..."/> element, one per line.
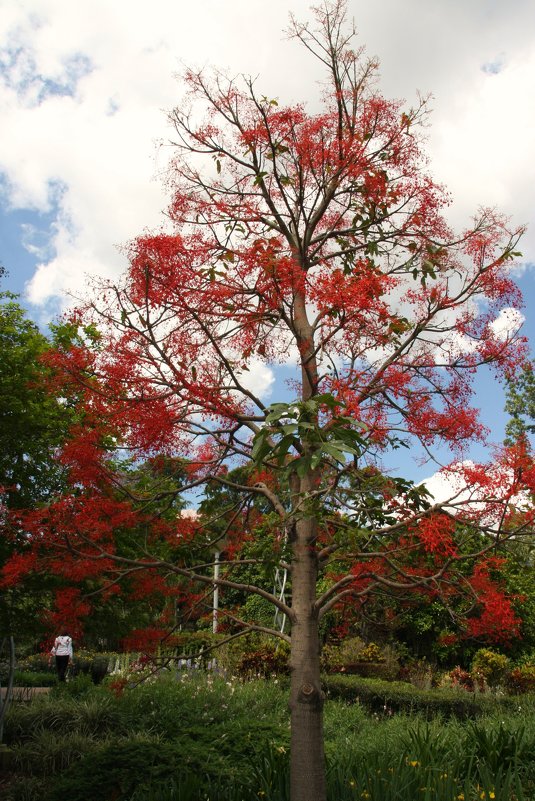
<point x="84" y="91"/>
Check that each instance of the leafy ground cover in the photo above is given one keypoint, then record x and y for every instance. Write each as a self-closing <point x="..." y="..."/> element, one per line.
<point x="210" y="739"/>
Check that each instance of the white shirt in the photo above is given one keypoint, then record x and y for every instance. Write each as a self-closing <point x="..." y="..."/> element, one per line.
<point x="62" y="646"/>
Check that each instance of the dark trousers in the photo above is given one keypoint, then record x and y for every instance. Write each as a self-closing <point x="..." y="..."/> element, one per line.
<point x="62" y="663"/>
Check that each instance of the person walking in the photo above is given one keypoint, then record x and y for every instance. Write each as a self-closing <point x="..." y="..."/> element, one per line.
<point x="62" y="650"/>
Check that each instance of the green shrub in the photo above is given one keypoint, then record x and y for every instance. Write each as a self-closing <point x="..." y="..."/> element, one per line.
<point x="37" y="663"/>
<point x="331" y="659"/>
<point x="383" y="697"/>
<point x="28" y="678"/>
<point x="44" y="662"/>
<point x="49" y="752"/>
<point x="25" y="788"/>
<point x="497" y="746"/>
<point x="490" y="665"/>
<point x="458" y="678"/>
<point x="204" y="737"/>
<point x="371" y="653"/>
<point x="269" y="660"/>
<point x="75" y="687"/>
<point x="24" y="720"/>
<point x="354" y="656"/>
<point x="521" y="679"/>
<point x="117" y="769"/>
<point x="60" y="712"/>
<point x="335" y="657"/>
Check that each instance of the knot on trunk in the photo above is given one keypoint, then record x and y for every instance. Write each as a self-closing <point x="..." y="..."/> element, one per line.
<point x="309" y="694"/>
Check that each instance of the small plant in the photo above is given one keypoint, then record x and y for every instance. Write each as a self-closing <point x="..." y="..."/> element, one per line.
<point x="459" y="678"/>
<point x="489" y="665"/>
<point x="421" y="674"/>
<point x="521" y="679"/>
<point x="26" y="788"/>
<point x="351" y="649"/>
<point x="497" y="747"/>
<point x="268" y="660"/>
<point x="331" y="660"/>
<point x="371" y="653"/>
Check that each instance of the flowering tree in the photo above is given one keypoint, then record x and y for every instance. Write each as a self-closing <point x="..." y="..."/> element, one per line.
<point x="315" y="241"/>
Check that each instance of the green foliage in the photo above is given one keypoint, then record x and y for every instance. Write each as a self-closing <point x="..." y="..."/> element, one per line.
<point x="94" y="716"/>
<point x="348" y="651"/>
<point x="26" y="788"/>
<point x="77" y="687"/>
<point x="371" y="653"/>
<point x="36" y="663"/>
<point x="289" y="425"/>
<point x="353" y="655"/>
<point x="491" y="665"/>
<point x="32" y="421"/>
<point x="115" y="770"/>
<point x="521" y="679"/>
<point x="385" y="697"/>
<point x="267" y="661"/>
<point x="519" y="574"/>
<point x="29" y="678"/>
<point x="198" y="739"/>
<point x="498" y="746"/>
<point x="49" y="752"/>
<point x="520" y="405"/>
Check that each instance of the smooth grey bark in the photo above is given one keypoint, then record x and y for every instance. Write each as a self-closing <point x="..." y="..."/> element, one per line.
<point x="307" y="755"/>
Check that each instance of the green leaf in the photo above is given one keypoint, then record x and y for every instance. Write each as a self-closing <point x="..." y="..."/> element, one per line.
<point x="302" y="466"/>
<point x="336" y="454"/>
<point x="289" y="428"/>
<point x="316" y="459"/>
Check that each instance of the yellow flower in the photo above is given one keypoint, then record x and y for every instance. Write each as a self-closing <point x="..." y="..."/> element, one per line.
<point x="414" y="763"/>
<point x="492" y="794"/>
<point x="460" y="797"/>
<point x="352" y="783"/>
<point x="365" y="794"/>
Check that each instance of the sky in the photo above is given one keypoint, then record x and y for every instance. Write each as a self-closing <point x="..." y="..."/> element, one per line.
<point x="85" y="89"/>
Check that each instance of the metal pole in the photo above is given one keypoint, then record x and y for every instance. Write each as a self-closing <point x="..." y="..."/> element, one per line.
<point x="216" y="593"/>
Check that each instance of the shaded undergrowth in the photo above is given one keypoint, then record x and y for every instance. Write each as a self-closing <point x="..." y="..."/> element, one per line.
<point x="207" y="739"/>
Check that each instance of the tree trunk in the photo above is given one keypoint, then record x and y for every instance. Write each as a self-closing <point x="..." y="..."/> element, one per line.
<point x="307" y="767"/>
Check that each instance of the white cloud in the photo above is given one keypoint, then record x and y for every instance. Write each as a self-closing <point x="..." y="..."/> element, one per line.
<point x="446" y="486"/>
<point x="259" y="379"/>
<point x="85" y="89"/>
<point x="507" y="323"/>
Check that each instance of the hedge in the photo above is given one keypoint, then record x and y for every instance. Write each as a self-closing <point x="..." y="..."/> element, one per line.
<point x="386" y="697"/>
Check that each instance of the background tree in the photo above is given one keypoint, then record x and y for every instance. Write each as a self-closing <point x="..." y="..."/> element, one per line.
<point x="520" y="405"/>
<point x="315" y="240"/>
<point x="33" y="424"/>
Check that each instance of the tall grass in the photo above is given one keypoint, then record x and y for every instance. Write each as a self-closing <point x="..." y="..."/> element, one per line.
<point x="207" y="739"/>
